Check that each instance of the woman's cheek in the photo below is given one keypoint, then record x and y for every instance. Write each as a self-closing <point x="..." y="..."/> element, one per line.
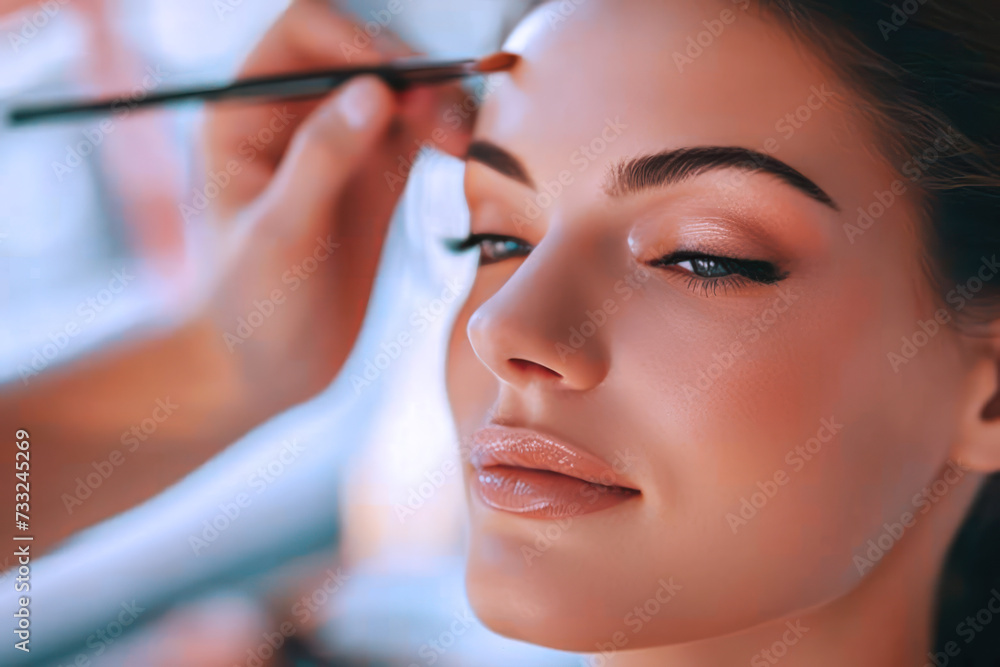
<point x="735" y="401"/>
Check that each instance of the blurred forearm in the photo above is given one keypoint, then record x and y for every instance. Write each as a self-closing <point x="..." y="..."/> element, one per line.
<point x="96" y="400"/>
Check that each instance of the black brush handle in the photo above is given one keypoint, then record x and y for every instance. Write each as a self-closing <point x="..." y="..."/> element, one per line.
<point x="281" y="86"/>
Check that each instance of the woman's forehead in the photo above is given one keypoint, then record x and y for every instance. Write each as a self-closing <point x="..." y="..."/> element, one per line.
<point x="668" y="75"/>
<point x="678" y="55"/>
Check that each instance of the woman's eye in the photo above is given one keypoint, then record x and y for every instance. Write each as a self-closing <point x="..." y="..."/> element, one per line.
<point x="705" y="268"/>
<point x="493" y="248"/>
<point x="722" y="271"/>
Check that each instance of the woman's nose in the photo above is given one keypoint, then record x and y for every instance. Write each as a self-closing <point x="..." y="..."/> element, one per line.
<point x="540" y="327"/>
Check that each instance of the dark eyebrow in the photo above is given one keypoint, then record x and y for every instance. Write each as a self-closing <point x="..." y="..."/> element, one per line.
<point x="630" y="176"/>
<point x="673" y="166"/>
<point x="500" y="160"/>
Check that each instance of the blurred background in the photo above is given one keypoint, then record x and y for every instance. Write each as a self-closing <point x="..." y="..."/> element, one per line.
<point x="330" y="534"/>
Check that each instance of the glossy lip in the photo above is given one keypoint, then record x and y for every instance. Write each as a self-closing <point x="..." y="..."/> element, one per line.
<point x="521" y="471"/>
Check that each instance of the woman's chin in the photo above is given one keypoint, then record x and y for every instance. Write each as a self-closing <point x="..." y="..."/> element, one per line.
<point x="510" y="608"/>
<point x="558" y="599"/>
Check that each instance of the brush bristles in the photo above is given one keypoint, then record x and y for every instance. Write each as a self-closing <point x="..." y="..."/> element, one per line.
<point x="497" y="62"/>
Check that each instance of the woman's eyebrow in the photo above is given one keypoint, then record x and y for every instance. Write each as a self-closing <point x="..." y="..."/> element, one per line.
<point x="650" y="171"/>
<point x="672" y="166"/>
<point x="500" y="160"/>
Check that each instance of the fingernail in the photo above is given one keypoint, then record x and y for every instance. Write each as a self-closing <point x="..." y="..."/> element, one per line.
<point x="357" y="103"/>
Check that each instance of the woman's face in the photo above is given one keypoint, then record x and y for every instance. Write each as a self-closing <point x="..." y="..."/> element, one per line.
<point x="759" y="415"/>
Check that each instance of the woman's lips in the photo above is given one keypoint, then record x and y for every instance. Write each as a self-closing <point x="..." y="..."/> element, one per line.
<point x="523" y="472"/>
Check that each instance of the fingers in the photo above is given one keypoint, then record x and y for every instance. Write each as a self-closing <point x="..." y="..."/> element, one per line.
<point x="442" y="115"/>
<point x="247" y="142"/>
<point x="307" y="36"/>
<point x="309" y="32"/>
<point x="327" y="150"/>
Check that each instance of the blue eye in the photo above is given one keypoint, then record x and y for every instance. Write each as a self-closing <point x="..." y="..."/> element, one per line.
<point x="493" y="248"/>
<point x="713" y="267"/>
<point x="705" y="268"/>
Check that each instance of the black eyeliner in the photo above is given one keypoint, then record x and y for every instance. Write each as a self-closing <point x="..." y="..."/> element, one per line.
<point x="752" y="269"/>
<point x="472" y="240"/>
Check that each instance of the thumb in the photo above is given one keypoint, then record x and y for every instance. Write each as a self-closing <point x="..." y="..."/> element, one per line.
<point x="327" y="150"/>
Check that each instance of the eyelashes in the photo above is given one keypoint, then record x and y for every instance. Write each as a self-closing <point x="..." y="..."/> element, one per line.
<point x="493" y="248"/>
<point x="711" y="273"/>
<point x="704" y="273"/>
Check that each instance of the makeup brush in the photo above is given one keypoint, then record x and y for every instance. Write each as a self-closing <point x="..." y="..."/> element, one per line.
<point x="399" y="74"/>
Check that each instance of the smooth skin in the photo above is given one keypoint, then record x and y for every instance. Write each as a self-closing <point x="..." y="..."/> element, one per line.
<point x="632" y="391"/>
<point x="652" y="388"/>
